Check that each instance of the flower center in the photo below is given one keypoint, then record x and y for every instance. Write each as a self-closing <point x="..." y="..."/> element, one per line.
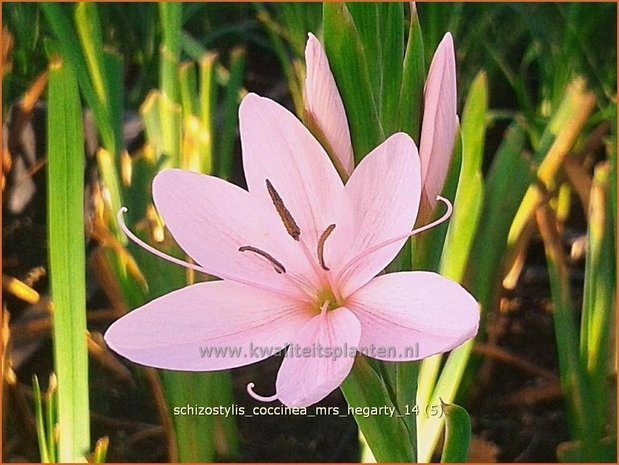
<point x="317" y="261"/>
<point x="326" y="297"/>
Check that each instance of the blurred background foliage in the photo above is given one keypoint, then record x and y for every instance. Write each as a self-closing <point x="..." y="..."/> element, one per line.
<point x="527" y="50"/>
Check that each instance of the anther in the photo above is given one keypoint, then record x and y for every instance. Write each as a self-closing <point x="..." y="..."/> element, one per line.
<point x="321" y="246"/>
<point x="284" y="214"/>
<point x="277" y="265"/>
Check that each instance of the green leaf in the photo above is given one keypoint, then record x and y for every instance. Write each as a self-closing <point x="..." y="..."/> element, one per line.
<point x="299" y="18"/>
<point x="188" y="83"/>
<point x="388" y="437"/>
<point x="455" y="255"/>
<point x="162" y="122"/>
<point x="208" y="101"/>
<point x="67" y="255"/>
<point x="170" y="15"/>
<point x="40" y="428"/>
<point x="171" y="119"/>
<point x="150" y="111"/>
<point x="598" y="302"/>
<point x="69" y="46"/>
<point x="367" y="19"/>
<point x="413" y="80"/>
<point x="611" y="149"/>
<point x="288" y="65"/>
<point x="506" y="183"/>
<point x="392" y="48"/>
<point x="574" y="383"/>
<point x="51" y="400"/>
<point x="428" y="373"/>
<point x="99" y="74"/>
<point x="406" y="382"/>
<point x="469" y="196"/>
<point x="349" y="65"/>
<point x="227" y="445"/>
<point x="114" y="77"/>
<point x="225" y="152"/>
<point x="106" y="75"/>
<point x="194" y="433"/>
<point x="457" y="434"/>
<point x="429" y="428"/>
<point x="89" y="32"/>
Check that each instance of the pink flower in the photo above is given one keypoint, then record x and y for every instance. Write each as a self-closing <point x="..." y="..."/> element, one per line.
<point x="439" y="126"/>
<point x="326" y="117"/>
<point x="324" y="110"/>
<point x="299" y="255"/>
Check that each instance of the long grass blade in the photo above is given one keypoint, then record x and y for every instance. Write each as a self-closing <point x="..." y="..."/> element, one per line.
<point x="225" y="152"/>
<point x="208" y="100"/>
<point x="506" y="184"/>
<point x="67" y="252"/>
<point x="89" y="33"/>
<point x="392" y="49"/>
<point x="38" y="415"/>
<point x="72" y="54"/>
<point x="573" y="379"/>
<point x="51" y="398"/>
<point x="413" y="79"/>
<point x="170" y="14"/>
<point x="599" y="302"/>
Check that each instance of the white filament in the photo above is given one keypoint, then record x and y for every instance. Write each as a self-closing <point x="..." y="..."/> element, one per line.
<point x="191" y="266"/>
<point x="250" y="391"/>
<point x="151" y="249"/>
<point x="348" y="266"/>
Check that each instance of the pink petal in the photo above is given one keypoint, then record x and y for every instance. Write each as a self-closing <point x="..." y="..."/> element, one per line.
<point x="324" y="109"/>
<point x="305" y="380"/>
<point x="414" y="309"/>
<point x="380" y="202"/>
<point x="277" y="147"/>
<point x="440" y="121"/>
<point x="170" y="331"/>
<point x="211" y="219"/>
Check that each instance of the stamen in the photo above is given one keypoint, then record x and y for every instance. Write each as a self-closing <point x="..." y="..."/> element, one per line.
<point x="149" y="248"/>
<point x="250" y="391"/>
<point x="348" y="266"/>
<point x="324" y="308"/>
<point x="277" y="265"/>
<point x="200" y="269"/>
<point x="321" y="245"/>
<point x="284" y="214"/>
